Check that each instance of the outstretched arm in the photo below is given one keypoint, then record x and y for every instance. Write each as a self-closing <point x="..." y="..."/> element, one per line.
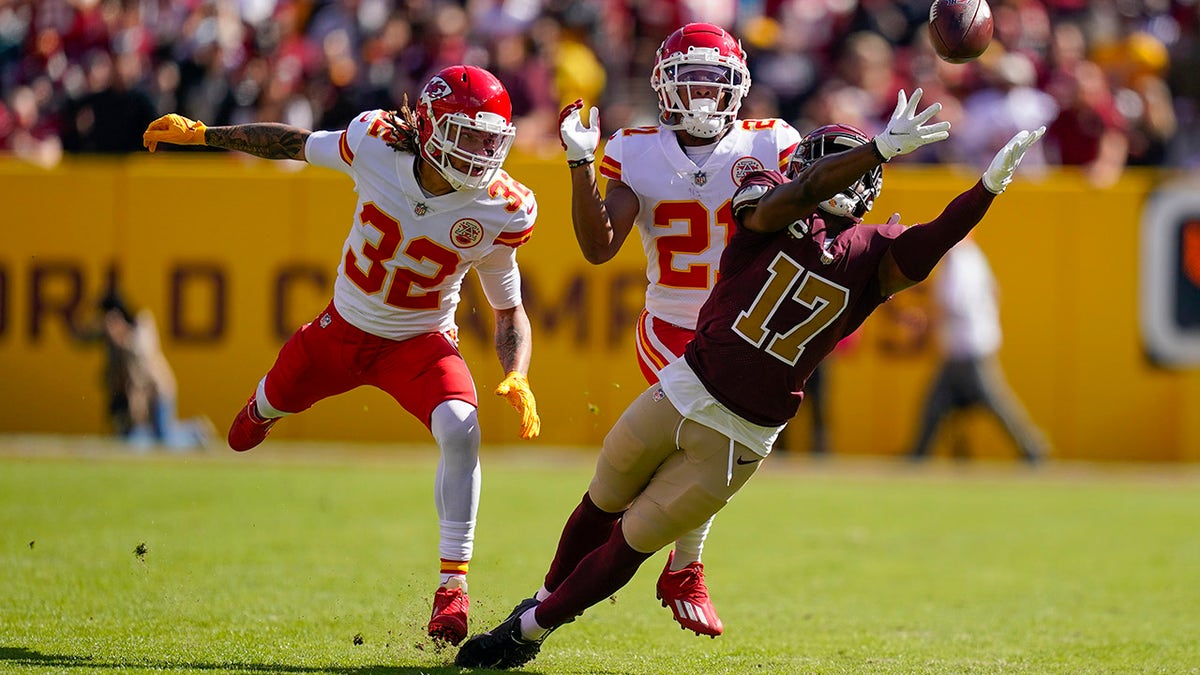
<point x="906" y="131"/>
<point x="267" y="140"/>
<point x="601" y="225"/>
<point x="918" y="249"/>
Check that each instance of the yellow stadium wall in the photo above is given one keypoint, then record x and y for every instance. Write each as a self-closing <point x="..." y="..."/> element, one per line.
<point x="233" y="254"/>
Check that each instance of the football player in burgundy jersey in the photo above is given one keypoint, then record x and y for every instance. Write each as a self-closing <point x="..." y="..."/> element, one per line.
<point x="800" y="273"/>
<point x="674" y="181"/>
<point x="433" y="203"/>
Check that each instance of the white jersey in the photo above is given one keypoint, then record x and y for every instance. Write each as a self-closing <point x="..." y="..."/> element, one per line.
<point x="684" y="217"/>
<point x="404" y="260"/>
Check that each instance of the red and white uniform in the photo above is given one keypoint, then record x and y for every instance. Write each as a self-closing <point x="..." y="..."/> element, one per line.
<point x="685" y="220"/>
<point x="391" y="323"/>
<point x="407" y="253"/>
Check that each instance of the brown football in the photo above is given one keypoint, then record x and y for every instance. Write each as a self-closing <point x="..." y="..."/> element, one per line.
<point x="960" y="30"/>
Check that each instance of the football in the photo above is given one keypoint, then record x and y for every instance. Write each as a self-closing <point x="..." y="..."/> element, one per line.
<point x="960" y="30"/>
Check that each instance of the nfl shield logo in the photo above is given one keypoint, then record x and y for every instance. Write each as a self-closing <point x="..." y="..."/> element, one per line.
<point x="420" y="208"/>
<point x="326" y="320"/>
<point x="700" y="178"/>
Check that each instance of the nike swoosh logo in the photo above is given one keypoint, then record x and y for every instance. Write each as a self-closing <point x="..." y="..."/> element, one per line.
<point x="743" y="461"/>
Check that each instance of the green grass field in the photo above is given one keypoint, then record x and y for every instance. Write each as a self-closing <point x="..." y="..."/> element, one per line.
<point x="283" y="560"/>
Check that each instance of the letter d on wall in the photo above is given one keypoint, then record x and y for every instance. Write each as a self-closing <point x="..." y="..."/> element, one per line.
<point x="198" y="302"/>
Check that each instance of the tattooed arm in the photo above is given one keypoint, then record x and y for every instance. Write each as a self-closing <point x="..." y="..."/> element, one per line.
<point x="514" y="347"/>
<point x="266" y="140"/>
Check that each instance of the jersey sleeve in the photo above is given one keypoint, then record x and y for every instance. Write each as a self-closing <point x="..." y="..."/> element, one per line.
<point x="500" y="277"/>
<point x="610" y="164"/>
<point x="336" y="149"/>
<point x="786" y="139"/>
<point x="519" y="228"/>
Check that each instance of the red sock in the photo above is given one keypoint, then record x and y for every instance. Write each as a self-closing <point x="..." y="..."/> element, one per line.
<point x="601" y="573"/>
<point x="586" y="529"/>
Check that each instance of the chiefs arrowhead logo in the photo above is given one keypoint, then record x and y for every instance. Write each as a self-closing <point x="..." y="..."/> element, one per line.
<point x="436" y="89"/>
<point x="744" y="167"/>
<point x="466" y="232"/>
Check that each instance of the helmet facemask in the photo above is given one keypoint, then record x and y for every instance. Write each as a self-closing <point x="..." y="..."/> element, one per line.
<point x="469" y="151"/>
<point x="700" y="91"/>
<point x="857" y="199"/>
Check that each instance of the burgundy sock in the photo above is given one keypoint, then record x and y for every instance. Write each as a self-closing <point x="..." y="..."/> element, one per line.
<point x="600" y="574"/>
<point x="586" y="529"/>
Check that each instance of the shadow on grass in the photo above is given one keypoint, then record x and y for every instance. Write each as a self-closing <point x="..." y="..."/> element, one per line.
<point x="20" y="656"/>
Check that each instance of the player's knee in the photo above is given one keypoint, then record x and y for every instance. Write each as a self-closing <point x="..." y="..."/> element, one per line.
<point x="455" y="428"/>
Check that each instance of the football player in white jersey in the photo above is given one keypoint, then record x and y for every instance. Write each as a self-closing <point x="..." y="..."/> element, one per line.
<point x="674" y="182"/>
<point x="433" y="203"/>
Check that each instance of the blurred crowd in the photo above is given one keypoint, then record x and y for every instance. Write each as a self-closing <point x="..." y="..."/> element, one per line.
<point x="1114" y="80"/>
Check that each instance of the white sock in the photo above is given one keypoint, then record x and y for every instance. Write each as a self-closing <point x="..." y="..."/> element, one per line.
<point x="689" y="547"/>
<point x="541" y="594"/>
<point x="454" y="581"/>
<point x="265" y="409"/>
<point x="455" y="428"/>
<point x="530" y="630"/>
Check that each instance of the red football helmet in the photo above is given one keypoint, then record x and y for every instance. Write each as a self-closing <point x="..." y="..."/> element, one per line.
<point x="856" y="200"/>
<point x="464" y="125"/>
<point x="700" y="60"/>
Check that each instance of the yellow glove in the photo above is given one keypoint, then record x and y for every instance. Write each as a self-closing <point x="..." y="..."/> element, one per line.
<point x="515" y="388"/>
<point x="175" y="129"/>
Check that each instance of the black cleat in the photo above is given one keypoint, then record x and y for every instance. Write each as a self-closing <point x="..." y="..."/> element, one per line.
<point x="502" y="647"/>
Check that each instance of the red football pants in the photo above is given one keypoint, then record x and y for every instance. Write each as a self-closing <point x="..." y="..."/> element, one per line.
<point x="659" y="343"/>
<point x="328" y="356"/>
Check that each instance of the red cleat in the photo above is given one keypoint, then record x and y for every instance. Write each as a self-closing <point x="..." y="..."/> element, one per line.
<point x="249" y="428"/>
<point x="687" y="596"/>
<point x="449" y="620"/>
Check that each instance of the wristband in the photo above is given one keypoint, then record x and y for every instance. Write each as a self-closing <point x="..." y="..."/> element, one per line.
<point x="576" y="163"/>
<point x="878" y="152"/>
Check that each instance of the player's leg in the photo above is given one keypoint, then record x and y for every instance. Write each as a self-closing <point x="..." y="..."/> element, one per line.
<point x="682" y="578"/>
<point x="429" y="378"/>
<point x="995" y="394"/>
<point x="308" y="368"/>
<point x="689" y="484"/>
<point x="630" y="455"/>
<point x="938" y="402"/>
<point x="593" y="559"/>
<point x="690" y="488"/>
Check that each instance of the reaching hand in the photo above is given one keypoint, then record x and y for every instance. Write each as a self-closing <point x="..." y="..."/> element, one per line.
<point x="1000" y="172"/>
<point x="175" y="129"/>
<point x="907" y="131"/>
<point x="579" y="141"/>
<point x="515" y="388"/>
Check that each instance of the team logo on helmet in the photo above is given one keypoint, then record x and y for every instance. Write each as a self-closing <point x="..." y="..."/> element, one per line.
<point x="744" y="167"/>
<point x="466" y="232"/>
<point x="436" y="89"/>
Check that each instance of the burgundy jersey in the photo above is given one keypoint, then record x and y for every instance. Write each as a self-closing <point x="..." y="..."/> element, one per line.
<point x="783" y="302"/>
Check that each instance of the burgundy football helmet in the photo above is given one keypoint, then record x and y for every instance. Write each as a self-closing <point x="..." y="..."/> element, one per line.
<point x="464" y="125"/>
<point x="856" y="200"/>
<point x="705" y="58"/>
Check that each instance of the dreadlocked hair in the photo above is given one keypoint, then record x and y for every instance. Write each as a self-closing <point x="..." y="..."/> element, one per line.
<point x="403" y="132"/>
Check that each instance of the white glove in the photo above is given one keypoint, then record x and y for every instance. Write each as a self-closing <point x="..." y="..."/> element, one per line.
<point x="906" y="132"/>
<point x="579" y="141"/>
<point x="1000" y="172"/>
